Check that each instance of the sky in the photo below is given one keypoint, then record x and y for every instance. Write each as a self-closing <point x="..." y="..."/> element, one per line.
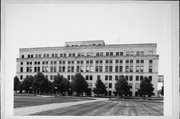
<point x="46" y="25"/>
<point x="49" y="25"/>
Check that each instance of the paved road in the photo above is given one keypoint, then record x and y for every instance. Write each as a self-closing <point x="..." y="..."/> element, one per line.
<point x="53" y="106"/>
<point x="109" y="108"/>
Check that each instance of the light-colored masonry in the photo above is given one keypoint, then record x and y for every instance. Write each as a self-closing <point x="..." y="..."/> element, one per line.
<point x="94" y="60"/>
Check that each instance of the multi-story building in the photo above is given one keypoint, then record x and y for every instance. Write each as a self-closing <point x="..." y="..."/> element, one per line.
<point x="94" y="60"/>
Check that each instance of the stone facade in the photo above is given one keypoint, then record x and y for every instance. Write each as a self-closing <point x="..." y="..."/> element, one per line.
<point x="94" y="60"/>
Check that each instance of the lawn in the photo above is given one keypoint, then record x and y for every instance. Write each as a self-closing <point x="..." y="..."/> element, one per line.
<point x="109" y="108"/>
<point x="25" y="101"/>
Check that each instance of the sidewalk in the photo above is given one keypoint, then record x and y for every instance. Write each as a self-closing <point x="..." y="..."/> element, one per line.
<point x="40" y="108"/>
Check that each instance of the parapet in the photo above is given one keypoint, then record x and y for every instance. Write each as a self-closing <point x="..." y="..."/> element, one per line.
<point x="85" y="43"/>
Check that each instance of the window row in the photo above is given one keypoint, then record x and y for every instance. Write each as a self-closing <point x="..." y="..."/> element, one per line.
<point x="85" y="69"/>
<point x="126" y="53"/>
<point x="82" y="62"/>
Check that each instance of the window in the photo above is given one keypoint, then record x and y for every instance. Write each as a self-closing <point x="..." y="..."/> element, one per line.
<point x="110" y="68"/>
<point x="137" y="78"/>
<point x="97" y="61"/>
<point x="127" y="61"/>
<point x="47" y="55"/>
<point x="130" y="78"/>
<point x="106" y="61"/>
<point x="127" y="69"/>
<point x="142" y="52"/>
<point x="110" y="78"/>
<point x="110" y="61"/>
<point x="69" y="54"/>
<point x="137" y="86"/>
<point x="52" y="55"/>
<point x="137" y="61"/>
<point x="72" y="62"/>
<point x="150" y="61"/>
<point x="141" y="68"/>
<point x="35" y="69"/>
<point x="142" y="61"/>
<point x="116" y="77"/>
<point x="74" y="54"/>
<point x="106" y="77"/>
<point x="60" y="70"/>
<point x="21" y="77"/>
<point x="138" y="53"/>
<point x="69" y="77"/>
<point x="96" y="68"/>
<point x="21" y="63"/>
<point x="98" y="77"/>
<point x="77" y="69"/>
<point x="56" y="55"/>
<point x="51" y="77"/>
<point x="141" y="78"/>
<point x="126" y="77"/>
<point x="31" y="56"/>
<point x="106" y="69"/>
<point x="82" y="62"/>
<point x="69" y="69"/>
<point x="21" y="69"/>
<point x="101" y="61"/>
<point x="91" y="77"/>
<point x="116" y="69"/>
<point x="91" y="61"/>
<point x="28" y="56"/>
<point x="87" y="77"/>
<point x="72" y="69"/>
<point x="87" y="62"/>
<point x="150" y="69"/>
<point x="97" y="54"/>
<point x="63" y="68"/>
<point x="101" y="53"/>
<point x="121" y="61"/>
<point x="111" y="53"/>
<point x="131" y="68"/>
<point x="121" y="53"/>
<point x="117" y="61"/>
<point x="120" y="68"/>
<point x="131" y="61"/>
<point x="137" y="68"/>
<point x="110" y="85"/>
<point x="107" y="53"/>
<point x="127" y="53"/>
<point x="22" y="56"/>
<point x="117" y="53"/>
<point x="132" y="53"/>
<point x="100" y="68"/>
